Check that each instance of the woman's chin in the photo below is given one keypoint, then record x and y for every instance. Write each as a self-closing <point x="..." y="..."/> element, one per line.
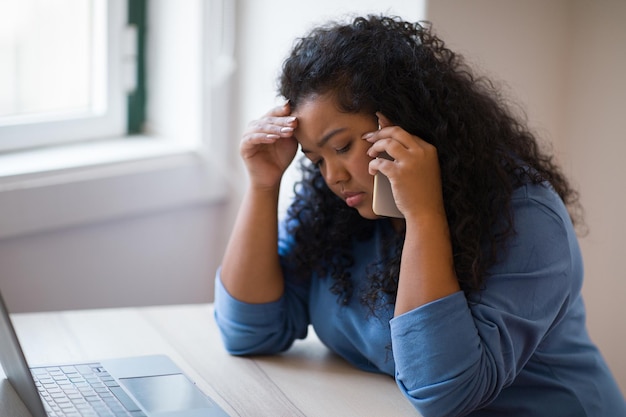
<point x="368" y="213"/>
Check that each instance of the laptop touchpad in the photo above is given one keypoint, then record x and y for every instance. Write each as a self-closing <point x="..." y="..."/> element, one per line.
<point x="166" y="393"/>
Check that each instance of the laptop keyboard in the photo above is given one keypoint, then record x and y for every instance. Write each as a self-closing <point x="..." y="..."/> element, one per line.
<point x="83" y="391"/>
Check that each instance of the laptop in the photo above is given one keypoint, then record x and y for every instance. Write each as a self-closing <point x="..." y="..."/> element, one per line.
<point x="142" y="386"/>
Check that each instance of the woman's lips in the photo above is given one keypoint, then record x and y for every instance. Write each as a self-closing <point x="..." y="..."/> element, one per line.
<point x="353" y="199"/>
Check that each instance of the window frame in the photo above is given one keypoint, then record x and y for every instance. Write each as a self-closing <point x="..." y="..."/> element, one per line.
<point x="107" y="117"/>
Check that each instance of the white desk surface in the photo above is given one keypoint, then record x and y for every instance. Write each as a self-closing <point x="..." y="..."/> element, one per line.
<point x="307" y="380"/>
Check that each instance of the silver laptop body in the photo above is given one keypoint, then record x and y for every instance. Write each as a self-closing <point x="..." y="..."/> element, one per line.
<point x="152" y="386"/>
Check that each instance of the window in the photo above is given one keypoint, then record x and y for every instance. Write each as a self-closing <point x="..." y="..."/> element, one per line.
<point x="190" y="60"/>
<point x="62" y="64"/>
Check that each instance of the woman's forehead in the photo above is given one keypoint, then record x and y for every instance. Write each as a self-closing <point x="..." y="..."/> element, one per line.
<point x="320" y="120"/>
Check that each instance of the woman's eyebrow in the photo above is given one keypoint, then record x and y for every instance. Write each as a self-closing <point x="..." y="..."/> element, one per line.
<point x="326" y="138"/>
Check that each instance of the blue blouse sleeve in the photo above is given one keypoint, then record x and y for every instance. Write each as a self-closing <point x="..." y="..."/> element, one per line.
<point x="266" y="328"/>
<point x="455" y="354"/>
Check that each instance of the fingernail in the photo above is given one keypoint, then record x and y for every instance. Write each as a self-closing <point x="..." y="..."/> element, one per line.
<point x="367" y="135"/>
<point x="286" y="129"/>
<point x="291" y="119"/>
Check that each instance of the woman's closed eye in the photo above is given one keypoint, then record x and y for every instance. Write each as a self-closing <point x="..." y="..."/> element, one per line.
<point x="339" y="151"/>
<point x="318" y="162"/>
<point x="344" y="149"/>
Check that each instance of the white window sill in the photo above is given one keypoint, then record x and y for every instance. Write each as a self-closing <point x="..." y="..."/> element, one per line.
<point x="14" y="167"/>
<point x="78" y="184"/>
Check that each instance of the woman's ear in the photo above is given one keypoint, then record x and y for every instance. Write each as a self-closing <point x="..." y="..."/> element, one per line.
<point x="382" y="120"/>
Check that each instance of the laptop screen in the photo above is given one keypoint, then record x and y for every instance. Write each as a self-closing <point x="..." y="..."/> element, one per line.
<point x="15" y="366"/>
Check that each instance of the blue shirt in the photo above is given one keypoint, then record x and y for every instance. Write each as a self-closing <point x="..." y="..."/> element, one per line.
<point x="519" y="347"/>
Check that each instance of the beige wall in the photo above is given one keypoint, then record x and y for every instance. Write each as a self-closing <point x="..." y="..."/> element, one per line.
<point x="596" y="148"/>
<point x="565" y="61"/>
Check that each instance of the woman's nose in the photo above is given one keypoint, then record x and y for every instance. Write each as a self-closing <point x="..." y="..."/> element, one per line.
<point x="335" y="173"/>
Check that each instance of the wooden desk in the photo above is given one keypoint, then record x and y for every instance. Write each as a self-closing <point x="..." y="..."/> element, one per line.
<point x="308" y="380"/>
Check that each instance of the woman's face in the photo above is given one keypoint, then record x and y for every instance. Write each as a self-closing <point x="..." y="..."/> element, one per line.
<point x="331" y="139"/>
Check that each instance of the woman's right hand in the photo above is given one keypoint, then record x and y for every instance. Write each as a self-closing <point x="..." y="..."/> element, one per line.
<point x="268" y="147"/>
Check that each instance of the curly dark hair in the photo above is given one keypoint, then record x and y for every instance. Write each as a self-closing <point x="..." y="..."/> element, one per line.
<point x="485" y="149"/>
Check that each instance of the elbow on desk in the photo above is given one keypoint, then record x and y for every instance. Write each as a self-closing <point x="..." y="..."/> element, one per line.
<point x="448" y="398"/>
<point x="242" y="346"/>
<point x="430" y="404"/>
<point x="256" y="329"/>
<point x="245" y="341"/>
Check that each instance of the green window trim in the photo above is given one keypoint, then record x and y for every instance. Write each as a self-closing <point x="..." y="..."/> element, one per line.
<point x="136" y="99"/>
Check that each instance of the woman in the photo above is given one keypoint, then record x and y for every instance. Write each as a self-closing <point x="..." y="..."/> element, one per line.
<point x="471" y="300"/>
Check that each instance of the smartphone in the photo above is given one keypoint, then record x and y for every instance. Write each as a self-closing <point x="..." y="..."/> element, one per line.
<point x="383" y="203"/>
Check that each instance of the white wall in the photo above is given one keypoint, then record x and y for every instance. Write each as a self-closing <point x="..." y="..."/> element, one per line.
<point x="566" y="62"/>
<point x="163" y="257"/>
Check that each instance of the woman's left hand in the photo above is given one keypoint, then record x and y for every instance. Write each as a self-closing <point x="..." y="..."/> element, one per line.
<point x="414" y="172"/>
